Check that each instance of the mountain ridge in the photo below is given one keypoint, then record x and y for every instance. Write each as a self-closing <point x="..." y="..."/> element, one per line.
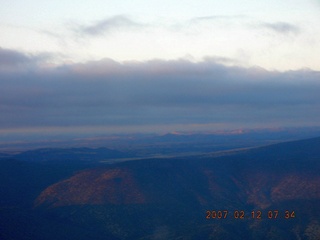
<point x="282" y="172"/>
<point x="167" y="198"/>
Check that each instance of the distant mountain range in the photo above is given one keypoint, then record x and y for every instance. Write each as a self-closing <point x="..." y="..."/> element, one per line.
<point x="270" y="192"/>
<point x="169" y="143"/>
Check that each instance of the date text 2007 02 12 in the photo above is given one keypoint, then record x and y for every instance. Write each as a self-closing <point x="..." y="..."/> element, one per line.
<point x="256" y="214"/>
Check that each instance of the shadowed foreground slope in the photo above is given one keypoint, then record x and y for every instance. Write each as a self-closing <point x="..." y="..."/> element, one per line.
<point x="270" y="192"/>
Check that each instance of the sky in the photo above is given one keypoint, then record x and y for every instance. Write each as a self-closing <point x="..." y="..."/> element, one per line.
<point x="91" y="67"/>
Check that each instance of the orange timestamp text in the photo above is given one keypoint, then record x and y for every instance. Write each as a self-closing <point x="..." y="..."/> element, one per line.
<point x="254" y="214"/>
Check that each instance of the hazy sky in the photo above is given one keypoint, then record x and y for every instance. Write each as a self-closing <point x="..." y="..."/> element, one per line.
<point x="116" y="66"/>
<point x="272" y="34"/>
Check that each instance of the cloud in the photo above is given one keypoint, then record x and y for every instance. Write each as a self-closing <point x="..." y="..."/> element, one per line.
<point x="281" y="27"/>
<point x="108" y="24"/>
<point x="157" y="93"/>
<point x="218" y="17"/>
<point x="12" y="59"/>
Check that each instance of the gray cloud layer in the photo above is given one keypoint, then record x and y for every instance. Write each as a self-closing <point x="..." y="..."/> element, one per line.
<point x="109" y="93"/>
<point x="282" y="27"/>
<point x="12" y="59"/>
<point x="108" y="24"/>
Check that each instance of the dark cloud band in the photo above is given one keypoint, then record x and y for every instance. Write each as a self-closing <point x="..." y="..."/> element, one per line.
<point x="109" y="93"/>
